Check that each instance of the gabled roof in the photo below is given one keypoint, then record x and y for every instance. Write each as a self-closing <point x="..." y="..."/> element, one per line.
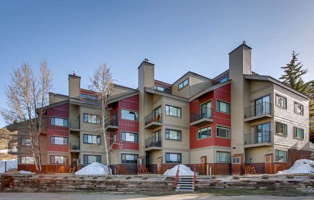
<point x="121" y="97"/>
<point x="152" y="91"/>
<point x="193" y="73"/>
<point x="275" y="81"/>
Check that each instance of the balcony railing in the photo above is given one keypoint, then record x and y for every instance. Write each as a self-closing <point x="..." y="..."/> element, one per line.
<point x="153" y="142"/>
<point x="154" y="119"/>
<point x="75" y="145"/>
<point x="201" y="116"/>
<point x="74" y="124"/>
<point x="257" y="110"/>
<point x="257" y="138"/>
<point x="111" y="124"/>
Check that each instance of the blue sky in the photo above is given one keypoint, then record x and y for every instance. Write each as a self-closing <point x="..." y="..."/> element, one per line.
<point x="178" y="36"/>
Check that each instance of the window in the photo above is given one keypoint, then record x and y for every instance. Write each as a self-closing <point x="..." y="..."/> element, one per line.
<point x="224" y="79"/>
<point x="129" y="158"/>
<point x="173" y="134"/>
<point x="88" y="159"/>
<point x="88" y="96"/>
<point x="173" y="157"/>
<point x="173" y="111"/>
<point x="262" y="133"/>
<point x="184" y="83"/>
<point x="281" y="101"/>
<point x="281" y="128"/>
<point x="223" y="132"/>
<point x="298" y="108"/>
<point x="91" y="139"/>
<point x="262" y="106"/>
<point x="281" y="156"/>
<point x="204" y="132"/>
<point x="223" y="107"/>
<point x="162" y="89"/>
<point x="298" y="133"/>
<point x="27" y="160"/>
<point x="236" y="160"/>
<point x="55" y="121"/>
<point x="129" y="115"/>
<point x="206" y="110"/>
<point x="59" y="159"/>
<point x="223" y="157"/>
<point x="115" y="138"/>
<point x="129" y="137"/>
<point x="58" y="140"/>
<point x="26" y="142"/>
<point x="89" y="118"/>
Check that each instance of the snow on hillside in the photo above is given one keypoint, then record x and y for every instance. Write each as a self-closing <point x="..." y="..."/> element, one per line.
<point x="299" y="167"/>
<point x="10" y="165"/>
<point x="94" y="169"/>
<point x="183" y="170"/>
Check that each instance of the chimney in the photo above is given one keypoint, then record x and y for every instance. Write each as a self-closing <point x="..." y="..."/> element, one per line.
<point x="74" y="85"/>
<point x="240" y="60"/>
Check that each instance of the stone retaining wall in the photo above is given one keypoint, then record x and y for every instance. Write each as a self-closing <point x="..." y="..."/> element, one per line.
<point x="151" y="183"/>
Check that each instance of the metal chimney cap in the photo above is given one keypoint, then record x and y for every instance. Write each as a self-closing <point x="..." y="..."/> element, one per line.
<point x="244" y="42"/>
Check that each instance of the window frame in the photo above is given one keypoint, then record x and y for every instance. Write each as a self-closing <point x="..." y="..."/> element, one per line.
<point x="224" y="127"/>
<point x="183" y="85"/>
<point x="98" y="138"/>
<point x="295" y="108"/>
<point x="25" y="145"/>
<point x="98" y="119"/>
<point x="64" y="158"/>
<point x="125" y="161"/>
<point x="86" y="155"/>
<point x="124" y="132"/>
<point x="286" y="160"/>
<point x="115" y="137"/>
<point x="236" y="157"/>
<point x="218" y="107"/>
<point x="67" y="140"/>
<point x="137" y="116"/>
<point x="22" y="163"/>
<point x="178" y="131"/>
<point x="277" y="128"/>
<point x="169" y="153"/>
<point x="218" y="152"/>
<point x="197" y="134"/>
<point x="295" y="131"/>
<point x="285" y="103"/>
<point x="173" y="107"/>
<point x="67" y="121"/>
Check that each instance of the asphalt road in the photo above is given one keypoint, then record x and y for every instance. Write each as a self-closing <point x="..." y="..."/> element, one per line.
<point x="97" y="196"/>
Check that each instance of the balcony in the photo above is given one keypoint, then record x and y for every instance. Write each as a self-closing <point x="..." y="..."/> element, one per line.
<point x="153" y="143"/>
<point x="74" y="146"/>
<point x="257" y="139"/>
<point x="153" y="120"/>
<point x="75" y="124"/>
<point x="257" y="112"/>
<point x="111" y="124"/>
<point x="13" y="151"/>
<point x="201" y="117"/>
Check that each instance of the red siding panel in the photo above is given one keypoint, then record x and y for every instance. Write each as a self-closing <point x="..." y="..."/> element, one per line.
<point x="61" y="111"/>
<point x="223" y="119"/>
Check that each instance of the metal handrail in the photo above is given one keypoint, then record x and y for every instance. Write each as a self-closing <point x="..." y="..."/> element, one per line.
<point x="194" y="177"/>
<point x="75" y="124"/>
<point x="112" y="121"/>
<point x="257" y="109"/>
<point x="75" y="145"/>
<point x="177" y="177"/>
<point x="201" y="114"/>
<point x="152" y="117"/>
<point x="153" y="142"/>
<point x="256" y="138"/>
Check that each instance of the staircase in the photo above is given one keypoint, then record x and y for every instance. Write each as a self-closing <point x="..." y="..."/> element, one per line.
<point x="185" y="184"/>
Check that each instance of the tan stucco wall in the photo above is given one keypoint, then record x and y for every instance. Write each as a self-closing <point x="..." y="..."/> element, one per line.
<point x="184" y="92"/>
<point x="257" y="154"/>
<point x="153" y="155"/>
<point x="198" y="83"/>
<point x="185" y="155"/>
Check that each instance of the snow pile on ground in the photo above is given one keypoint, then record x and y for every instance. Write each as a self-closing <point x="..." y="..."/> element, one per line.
<point x="183" y="170"/>
<point x="94" y="169"/>
<point x="299" y="167"/>
<point x="25" y="172"/>
<point x="9" y="165"/>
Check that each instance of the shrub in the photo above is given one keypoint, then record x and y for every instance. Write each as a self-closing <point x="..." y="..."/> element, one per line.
<point x="290" y="176"/>
<point x="265" y="176"/>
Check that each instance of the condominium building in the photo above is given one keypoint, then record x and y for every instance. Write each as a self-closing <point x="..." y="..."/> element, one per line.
<point x="217" y="124"/>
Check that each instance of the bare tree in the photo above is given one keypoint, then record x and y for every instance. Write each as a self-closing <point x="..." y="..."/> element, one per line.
<point x="102" y="84"/>
<point x="27" y="94"/>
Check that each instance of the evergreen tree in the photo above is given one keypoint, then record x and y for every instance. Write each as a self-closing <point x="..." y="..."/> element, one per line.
<point x="292" y="77"/>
